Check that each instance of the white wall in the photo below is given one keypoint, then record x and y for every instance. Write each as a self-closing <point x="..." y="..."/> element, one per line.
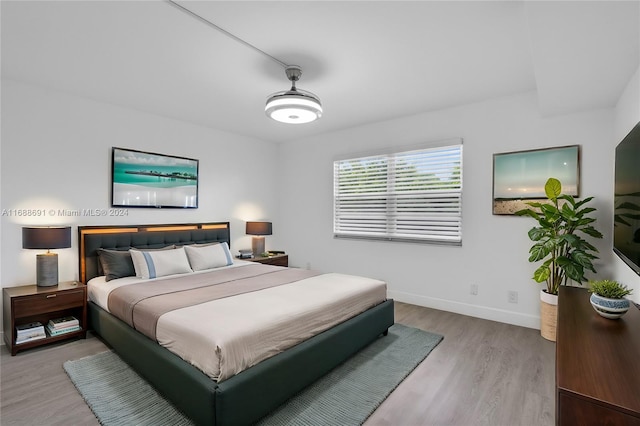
<point x="495" y="248"/>
<point x="56" y="154"/>
<point x="627" y="115"/>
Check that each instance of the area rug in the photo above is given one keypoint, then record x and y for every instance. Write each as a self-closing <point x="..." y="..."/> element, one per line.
<point x="347" y="395"/>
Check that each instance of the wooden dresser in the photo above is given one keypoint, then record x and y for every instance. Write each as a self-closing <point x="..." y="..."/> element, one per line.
<point x="597" y="364"/>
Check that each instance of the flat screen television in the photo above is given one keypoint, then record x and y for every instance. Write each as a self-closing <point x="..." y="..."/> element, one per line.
<point x="147" y="179"/>
<point x="626" y="230"/>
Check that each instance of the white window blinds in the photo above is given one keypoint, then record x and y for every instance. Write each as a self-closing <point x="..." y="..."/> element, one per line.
<point x="408" y="196"/>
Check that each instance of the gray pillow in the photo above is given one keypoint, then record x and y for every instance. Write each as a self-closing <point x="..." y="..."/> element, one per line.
<point x="116" y="264"/>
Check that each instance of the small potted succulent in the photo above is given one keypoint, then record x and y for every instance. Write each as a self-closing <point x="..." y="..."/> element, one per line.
<point x="608" y="298"/>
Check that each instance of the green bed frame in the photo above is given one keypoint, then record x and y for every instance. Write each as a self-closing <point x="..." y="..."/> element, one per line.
<point x="248" y="396"/>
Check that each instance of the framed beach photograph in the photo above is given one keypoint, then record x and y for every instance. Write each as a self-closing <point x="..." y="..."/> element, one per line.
<point x="147" y="179"/>
<point x="520" y="176"/>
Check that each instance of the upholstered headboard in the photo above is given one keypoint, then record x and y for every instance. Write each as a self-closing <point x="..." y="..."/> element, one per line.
<point x="91" y="238"/>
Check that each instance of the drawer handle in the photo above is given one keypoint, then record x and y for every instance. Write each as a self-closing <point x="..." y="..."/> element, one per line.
<point x="49" y="296"/>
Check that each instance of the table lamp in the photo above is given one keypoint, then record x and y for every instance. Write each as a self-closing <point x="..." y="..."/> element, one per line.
<point x="46" y="238"/>
<point x="258" y="230"/>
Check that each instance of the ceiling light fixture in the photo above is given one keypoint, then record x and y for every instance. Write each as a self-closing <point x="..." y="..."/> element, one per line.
<point x="293" y="106"/>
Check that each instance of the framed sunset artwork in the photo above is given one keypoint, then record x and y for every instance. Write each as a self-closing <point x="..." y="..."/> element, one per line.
<point x="520" y="176"/>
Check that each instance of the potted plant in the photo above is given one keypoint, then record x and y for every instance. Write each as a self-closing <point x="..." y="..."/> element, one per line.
<point x="559" y="244"/>
<point x="607" y="298"/>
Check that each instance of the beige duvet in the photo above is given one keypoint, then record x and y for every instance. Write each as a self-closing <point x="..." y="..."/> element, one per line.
<point x="226" y="335"/>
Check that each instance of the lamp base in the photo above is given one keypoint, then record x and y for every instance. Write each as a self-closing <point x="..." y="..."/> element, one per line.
<point x="47" y="270"/>
<point x="257" y="245"/>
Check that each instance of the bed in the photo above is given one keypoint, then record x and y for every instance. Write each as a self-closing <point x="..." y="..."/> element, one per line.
<point x="229" y="398"/>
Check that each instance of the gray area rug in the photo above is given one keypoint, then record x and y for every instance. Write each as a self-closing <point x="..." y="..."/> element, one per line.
<point x="347" y="395"/>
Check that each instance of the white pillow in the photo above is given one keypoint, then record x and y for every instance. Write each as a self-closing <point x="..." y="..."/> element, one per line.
<point x="158" y="263"/>
<point x="208" y="257"/>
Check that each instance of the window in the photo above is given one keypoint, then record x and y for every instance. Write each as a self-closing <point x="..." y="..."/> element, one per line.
<point x="412" y="195"/>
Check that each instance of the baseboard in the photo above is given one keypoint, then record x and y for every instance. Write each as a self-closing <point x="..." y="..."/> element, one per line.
<point x="484" y="312"/>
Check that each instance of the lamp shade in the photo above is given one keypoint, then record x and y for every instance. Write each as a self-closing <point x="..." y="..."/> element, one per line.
<point x="258" y="228"/>
<point x="46" y="237"/>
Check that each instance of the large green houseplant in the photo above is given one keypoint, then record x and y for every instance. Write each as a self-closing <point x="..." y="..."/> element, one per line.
<point x="558" y="240"/>
<point x="559" y="244"/>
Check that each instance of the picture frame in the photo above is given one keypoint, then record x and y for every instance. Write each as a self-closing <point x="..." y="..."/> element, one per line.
<point x="152" y="180"/>
<point x="520" y="176"/>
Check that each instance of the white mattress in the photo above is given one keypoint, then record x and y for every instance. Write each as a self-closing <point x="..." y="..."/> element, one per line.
<point x="226" y="336"/>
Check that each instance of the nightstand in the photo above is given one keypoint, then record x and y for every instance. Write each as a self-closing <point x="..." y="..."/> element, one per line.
<point x="276" y="260"/>
<point x="25" y="304"/>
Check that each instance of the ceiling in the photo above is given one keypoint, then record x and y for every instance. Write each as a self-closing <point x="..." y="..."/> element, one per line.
<point x="368" y="61"/>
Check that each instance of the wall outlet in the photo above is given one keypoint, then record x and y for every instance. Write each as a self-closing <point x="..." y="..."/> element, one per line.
<point x="513" y="297"/>
<point x="474" y="289"/>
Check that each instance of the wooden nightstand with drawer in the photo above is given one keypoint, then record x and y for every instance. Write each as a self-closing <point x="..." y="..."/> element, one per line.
<point x="27" y="304"/>
<point x="277" y="260"/>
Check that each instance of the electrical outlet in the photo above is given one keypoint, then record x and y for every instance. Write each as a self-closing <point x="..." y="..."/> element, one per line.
<point x="474" y="289"/>
<point x="513" y="297"/>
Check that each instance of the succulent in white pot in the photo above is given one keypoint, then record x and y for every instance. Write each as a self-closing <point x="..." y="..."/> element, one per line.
<point x="608" y="298"/>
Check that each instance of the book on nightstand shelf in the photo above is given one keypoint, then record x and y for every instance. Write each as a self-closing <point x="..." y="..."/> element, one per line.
<point x="29" y="332"/>
<point x="63" y="323"/>
<point x="53" y="332"/>
<point x="58" y="326"/>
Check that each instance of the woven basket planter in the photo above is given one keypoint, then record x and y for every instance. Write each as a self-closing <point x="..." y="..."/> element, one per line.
<point x="548" y="315"/>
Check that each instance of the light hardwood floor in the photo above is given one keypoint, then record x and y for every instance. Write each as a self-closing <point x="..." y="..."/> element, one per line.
<point x="482" y="373"/>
